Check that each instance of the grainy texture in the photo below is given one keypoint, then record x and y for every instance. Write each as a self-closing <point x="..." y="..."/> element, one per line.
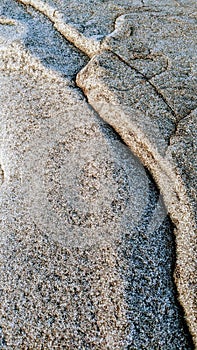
<point x="88" y="250"/>
<point x="147" y="125"/>
<point x="159" y="43"/>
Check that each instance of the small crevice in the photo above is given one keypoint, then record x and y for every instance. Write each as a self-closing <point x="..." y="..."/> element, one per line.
<point x="163" y="98"/>
<point x="177" y="125"/>
<point x="2" y="177"/>
<point x="148" y="81"/>
<point x="107" y="127"/>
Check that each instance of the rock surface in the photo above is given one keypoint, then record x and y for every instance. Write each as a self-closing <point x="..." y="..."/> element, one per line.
<point x="148" y="135"/>
<point x="88" y="250"/>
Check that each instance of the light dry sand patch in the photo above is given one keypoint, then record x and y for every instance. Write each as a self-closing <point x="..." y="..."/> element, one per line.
<point x="67" y="175"/>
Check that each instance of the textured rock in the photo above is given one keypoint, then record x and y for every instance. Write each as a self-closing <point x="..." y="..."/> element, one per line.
<point x="40" y="39"/>
<point x="141" y="113"/>
<point x="87" y="257"/>
<point x="159" y="45"/>
<point x="183" y="150"/>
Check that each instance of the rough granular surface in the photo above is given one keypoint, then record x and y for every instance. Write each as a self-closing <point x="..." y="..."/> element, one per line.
<point x="88" y="250"/>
